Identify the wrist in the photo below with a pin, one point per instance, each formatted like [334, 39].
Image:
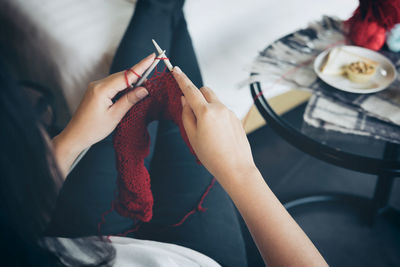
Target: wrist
[239, 177]
[65, 151]
[65, 145]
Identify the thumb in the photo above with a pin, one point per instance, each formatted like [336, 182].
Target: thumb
[188, 119]
[125, 102]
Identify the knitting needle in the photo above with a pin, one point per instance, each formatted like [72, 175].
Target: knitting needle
[166, 60]
[150, 69]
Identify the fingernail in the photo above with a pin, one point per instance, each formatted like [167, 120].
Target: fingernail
[177, 70]
[151, 55]
[141, 93]
[183, 101]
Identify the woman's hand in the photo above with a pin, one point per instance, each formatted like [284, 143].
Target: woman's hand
[97, 115]
[218, 138]
[215, 133]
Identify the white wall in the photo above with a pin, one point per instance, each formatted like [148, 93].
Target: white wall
[228, 34]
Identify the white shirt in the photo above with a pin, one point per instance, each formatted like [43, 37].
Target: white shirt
[135, 252]
[129, 252]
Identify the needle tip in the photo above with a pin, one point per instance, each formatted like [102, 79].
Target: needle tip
[162, 54]
[159, 50]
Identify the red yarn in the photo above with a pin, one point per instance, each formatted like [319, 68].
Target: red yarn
[126, 79]
[369, 23]
[131, 144]
[198, 207]
[134, 72]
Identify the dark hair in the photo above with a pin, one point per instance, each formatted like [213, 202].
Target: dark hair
[29, 186]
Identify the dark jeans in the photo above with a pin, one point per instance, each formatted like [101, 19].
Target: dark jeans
[177, 181]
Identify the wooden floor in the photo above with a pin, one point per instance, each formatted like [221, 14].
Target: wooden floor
[281, 104]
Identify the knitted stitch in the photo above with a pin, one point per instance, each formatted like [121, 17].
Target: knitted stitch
[132, 145]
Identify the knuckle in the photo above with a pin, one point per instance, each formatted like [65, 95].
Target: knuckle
[232, 114]
[92, 85]
[204, 110]
[93, 89]
[131, 98]
[224, 111]
[221, 108]
[208, 90]
[188, 86]
[96, 88]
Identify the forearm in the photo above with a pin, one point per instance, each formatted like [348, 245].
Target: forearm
[280, 240]
[65, 152]
[218, 138]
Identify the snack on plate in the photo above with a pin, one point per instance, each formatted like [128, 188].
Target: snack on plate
[359, 71]
[356, 68]
[334, 61]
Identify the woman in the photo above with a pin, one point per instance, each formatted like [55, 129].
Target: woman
[32, 171]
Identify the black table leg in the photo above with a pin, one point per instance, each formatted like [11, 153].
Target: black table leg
[383, 187]
[371, 207]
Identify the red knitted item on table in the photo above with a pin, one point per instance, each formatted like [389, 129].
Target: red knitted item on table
[369, 23]
[132, 145]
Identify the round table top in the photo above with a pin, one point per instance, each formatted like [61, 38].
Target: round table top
[339, 127]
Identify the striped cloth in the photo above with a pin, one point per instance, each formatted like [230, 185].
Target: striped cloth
[332, 114]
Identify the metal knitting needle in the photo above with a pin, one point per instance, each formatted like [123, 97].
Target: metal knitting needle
[166, 60]
[150, 69]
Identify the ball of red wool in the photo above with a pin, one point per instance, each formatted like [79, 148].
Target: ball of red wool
[367, 34]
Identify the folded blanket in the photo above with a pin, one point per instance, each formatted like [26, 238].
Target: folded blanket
[331, 114]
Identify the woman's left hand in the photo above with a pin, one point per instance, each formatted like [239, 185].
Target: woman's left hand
[97, 115]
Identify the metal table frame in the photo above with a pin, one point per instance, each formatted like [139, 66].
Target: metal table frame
[387, 168]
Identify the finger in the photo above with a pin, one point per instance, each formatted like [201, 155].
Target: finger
[117, 82]
[188, 118]
[209, 94]
[193, 96]
[121, 107]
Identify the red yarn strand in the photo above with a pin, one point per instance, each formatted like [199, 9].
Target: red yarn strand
[136, 228]
[134, 72]
[103, 218]
[193, 211]
[199, 205]
[126, 79]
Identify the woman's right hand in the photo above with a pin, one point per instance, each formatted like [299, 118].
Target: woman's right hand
[215, 133]
[218, 138]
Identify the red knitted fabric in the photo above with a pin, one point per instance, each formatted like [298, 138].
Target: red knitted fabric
[369, 23]
[132, 145]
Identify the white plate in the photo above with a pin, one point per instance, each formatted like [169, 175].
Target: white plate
[385, 73]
